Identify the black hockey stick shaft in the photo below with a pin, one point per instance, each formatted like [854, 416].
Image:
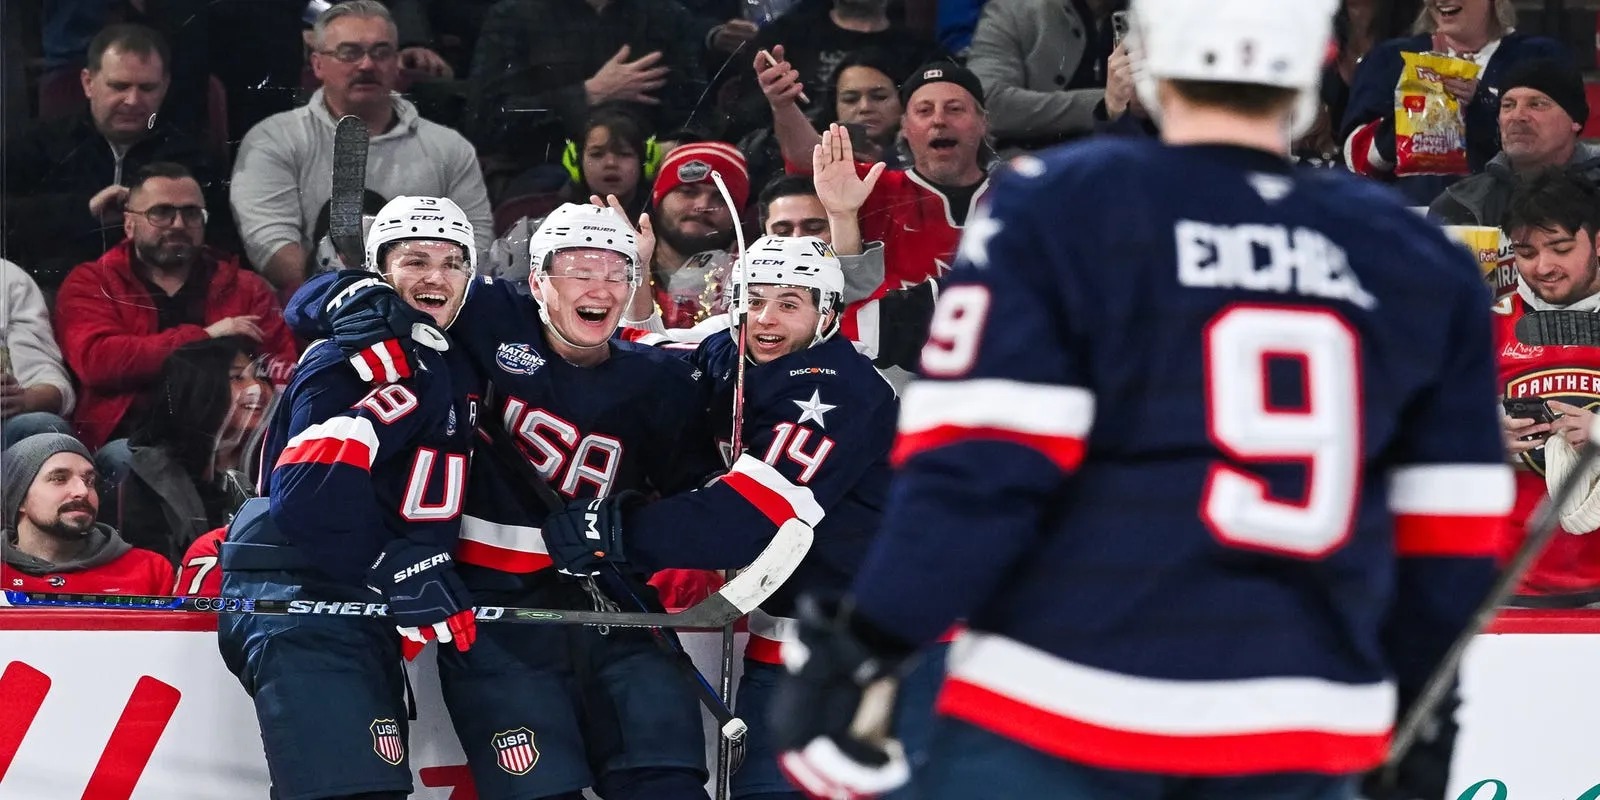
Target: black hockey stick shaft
[1544, 526]
[501, 446]
[714, 612]
[725, 755]
[349, 190]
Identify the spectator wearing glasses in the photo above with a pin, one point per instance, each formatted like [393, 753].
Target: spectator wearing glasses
[66, 179]
[119, 317]
[280, 177]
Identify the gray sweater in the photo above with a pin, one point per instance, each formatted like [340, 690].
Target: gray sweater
[1482, 198]
[282, 176]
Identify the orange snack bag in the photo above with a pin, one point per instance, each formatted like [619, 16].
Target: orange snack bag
[1430, 133]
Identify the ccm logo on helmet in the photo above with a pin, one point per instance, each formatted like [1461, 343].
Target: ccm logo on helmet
[427, 218]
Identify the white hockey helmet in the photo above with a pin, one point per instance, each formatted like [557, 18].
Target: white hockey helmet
[1265, 42]
[575, 226]
[436, 219]
[803, 261]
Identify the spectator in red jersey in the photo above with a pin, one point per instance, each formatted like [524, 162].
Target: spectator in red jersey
[918, 214]
[1553, 219]
[198, 573]
[53, 541]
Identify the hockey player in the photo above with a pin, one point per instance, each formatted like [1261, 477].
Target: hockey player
[362, 504]
[544, 711]
[818, 422]
[1213, 513]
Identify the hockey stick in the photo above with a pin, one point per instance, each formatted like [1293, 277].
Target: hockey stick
[1559, 328]
[1542, 529]
[733, 729]
[734, 600]
[349, 190]
[725, 766]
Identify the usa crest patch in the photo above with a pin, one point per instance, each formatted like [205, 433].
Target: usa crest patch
[386, 741]
[514, 751]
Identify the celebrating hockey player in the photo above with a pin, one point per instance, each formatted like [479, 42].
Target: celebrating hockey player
[362, 505]
[817, 426]
[545, 711]
[1214, 514]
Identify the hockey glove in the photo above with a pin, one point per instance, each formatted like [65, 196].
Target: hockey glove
[832, 713]
[426, 598]
[373, 325]
[588, 533]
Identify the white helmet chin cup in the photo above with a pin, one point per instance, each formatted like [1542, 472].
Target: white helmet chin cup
[575, 226]
[430, 219]
[1264, 42]
[803, 261]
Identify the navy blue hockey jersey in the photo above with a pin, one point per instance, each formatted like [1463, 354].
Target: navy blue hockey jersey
[1206, 452]
[818, 426]
[355, 467]
[634, 421]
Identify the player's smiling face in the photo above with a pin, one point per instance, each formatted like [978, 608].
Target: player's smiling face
[430, 275]
[585, 293]
[782, 320]
[1559, 266]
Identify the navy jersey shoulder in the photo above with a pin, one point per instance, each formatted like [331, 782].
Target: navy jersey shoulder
[1135, 339]
[334, 440]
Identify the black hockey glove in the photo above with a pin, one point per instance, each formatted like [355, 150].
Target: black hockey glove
[373, 325]
[832, 713]
[588, 533]
[1425, 770]
[427, 600]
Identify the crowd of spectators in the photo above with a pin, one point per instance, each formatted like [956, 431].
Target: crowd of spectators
[167, 178]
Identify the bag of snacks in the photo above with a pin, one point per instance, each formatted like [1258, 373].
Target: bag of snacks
[1430, 132]
[1492, 248]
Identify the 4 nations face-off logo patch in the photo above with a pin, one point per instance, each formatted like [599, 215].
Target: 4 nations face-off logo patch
[514, 751]
[386, 741]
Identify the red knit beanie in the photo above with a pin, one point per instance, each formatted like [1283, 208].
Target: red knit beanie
[692, 163]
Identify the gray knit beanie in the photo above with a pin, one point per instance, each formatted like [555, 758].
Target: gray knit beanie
[21, 464]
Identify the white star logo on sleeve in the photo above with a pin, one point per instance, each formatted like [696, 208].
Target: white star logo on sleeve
[975, 239]
[814, 408]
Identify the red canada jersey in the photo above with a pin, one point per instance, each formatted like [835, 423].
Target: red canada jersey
[198, 573]
[919, 234]
[1571, 375]
[137, 571]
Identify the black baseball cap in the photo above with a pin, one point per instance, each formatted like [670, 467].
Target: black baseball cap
[942, 72]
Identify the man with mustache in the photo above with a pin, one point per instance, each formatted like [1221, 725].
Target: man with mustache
[119, 317]
[53, 541]
[691, 218]
[280, 178]
[1542, 113]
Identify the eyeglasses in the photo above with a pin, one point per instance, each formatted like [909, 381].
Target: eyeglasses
[161, 216]
[353, 53]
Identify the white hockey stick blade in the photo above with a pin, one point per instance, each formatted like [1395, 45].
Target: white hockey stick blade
[757, 582]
